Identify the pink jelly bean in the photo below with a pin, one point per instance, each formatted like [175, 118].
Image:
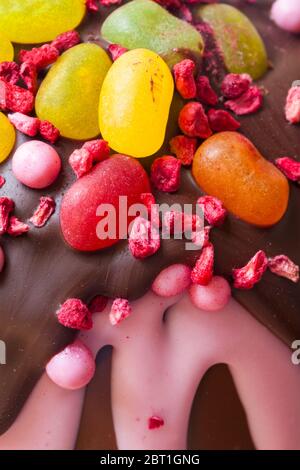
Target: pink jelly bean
[172, 280]
[36, 164]
[2, 259]
[286, 14]
[212, 297]
[72, 368]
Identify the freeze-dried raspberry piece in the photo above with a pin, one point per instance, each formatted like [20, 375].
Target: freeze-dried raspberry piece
[248, 103]
[43, 212]
[184, 78]
[49, 132]
[98, 304]
[193, 121]
[14, 98]
[29, 75]
[7, 205]
[246, 277]
[75, 314]
[81, 161]
[26, 124]
[292, 105]
[116, 51]
[2, 181]
[184, 148]
[234, 85]
[92, 5]
[98, 149]
[108, 3]
[144, 239]
[205, 92]
[289, 167]
[155, 422]
[16, 227]
[221, 120]
[40, 57]
[201, 237]
[148, 200]
[165, 173]
[120, 310]
[203, 270]
[213, 210]
[283, 266]
[65, 41]
[175, 222]
[185, 13]
[9, 72]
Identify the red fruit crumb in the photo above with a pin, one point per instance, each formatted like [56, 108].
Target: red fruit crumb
[2, 181]
[292, 106]
[14, 98]
[144, 239]
[175, 222]
[81, 161]
[108, 3]
[16, 227]
[203, 270]
[40, 57]
[289, 167]
[7, 205]
[201, 237]
[246, 277]
[43, 212]
[98, 149]
[221, 120]
[9, 72]
[116, 51]
[213, 210]
[193, 121]
[184, 78]
[248, 103]
[148, 200]
[205, 92]
[28, 74]
[165, 173]
[234, 85]
[120, 310]
[98, 304]
[155, 422]
[283, 266]
[185, 13]
[49, 132]
[184, 148]
[26, 124]
[92, 5]
[75, 314]
[65, 41]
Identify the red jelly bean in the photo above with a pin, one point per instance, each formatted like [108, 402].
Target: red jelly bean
[193, 121]
[165, 173]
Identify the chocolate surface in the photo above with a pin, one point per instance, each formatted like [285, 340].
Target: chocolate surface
[41, 271]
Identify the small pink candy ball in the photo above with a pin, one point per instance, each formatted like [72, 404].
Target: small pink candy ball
[2, 259]
[286, 14]
[36, 164]
[72, 368]
[172, 280]
[212, 297]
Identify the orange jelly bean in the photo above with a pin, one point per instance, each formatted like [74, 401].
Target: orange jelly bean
[229, 167]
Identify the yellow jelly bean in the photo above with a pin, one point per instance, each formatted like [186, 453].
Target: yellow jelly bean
[7, 137]
[135, 102]
[69, 95]
[34, 21]
[6, 49]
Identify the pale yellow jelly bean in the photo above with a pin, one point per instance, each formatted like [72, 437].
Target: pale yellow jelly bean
[7, 137]
[34, 21]
[135, 102]
[6, 49]
[69, 95]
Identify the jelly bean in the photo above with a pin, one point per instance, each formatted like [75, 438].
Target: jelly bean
[134, 103]
[36, 164]
[69, 95]
[6, 49]
[229, 167]
[286, 15]
[7, 137]
[172, 280]
[35, 21]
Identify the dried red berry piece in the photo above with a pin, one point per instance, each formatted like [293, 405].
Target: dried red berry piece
[9, 72]
[43, 212]
[234, 85]
[81, 161]
[155, 422]
[246, 277]
[16, 227]
[175, 222]
[26, 124]
[193, 121]
[184, 78]
[283, 266]
[92, 5]
[205, 92]
[116, 51]
[289, 167]
[221, 120]
[75, 314]
[201, 237]
[14, 98]
[98, 304]
[213, 210]
[2, 181]
[49, 132]
[165, 173]
[29, 75]
[7, 205]
[120, 310]
[108, 3]
[40, 57]
[185, 13]
[184, 148]
[292, 106]
[65, 41]
[144, 239]
[248, 103]
[98, 149]
[203, 270]
[148, 200]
